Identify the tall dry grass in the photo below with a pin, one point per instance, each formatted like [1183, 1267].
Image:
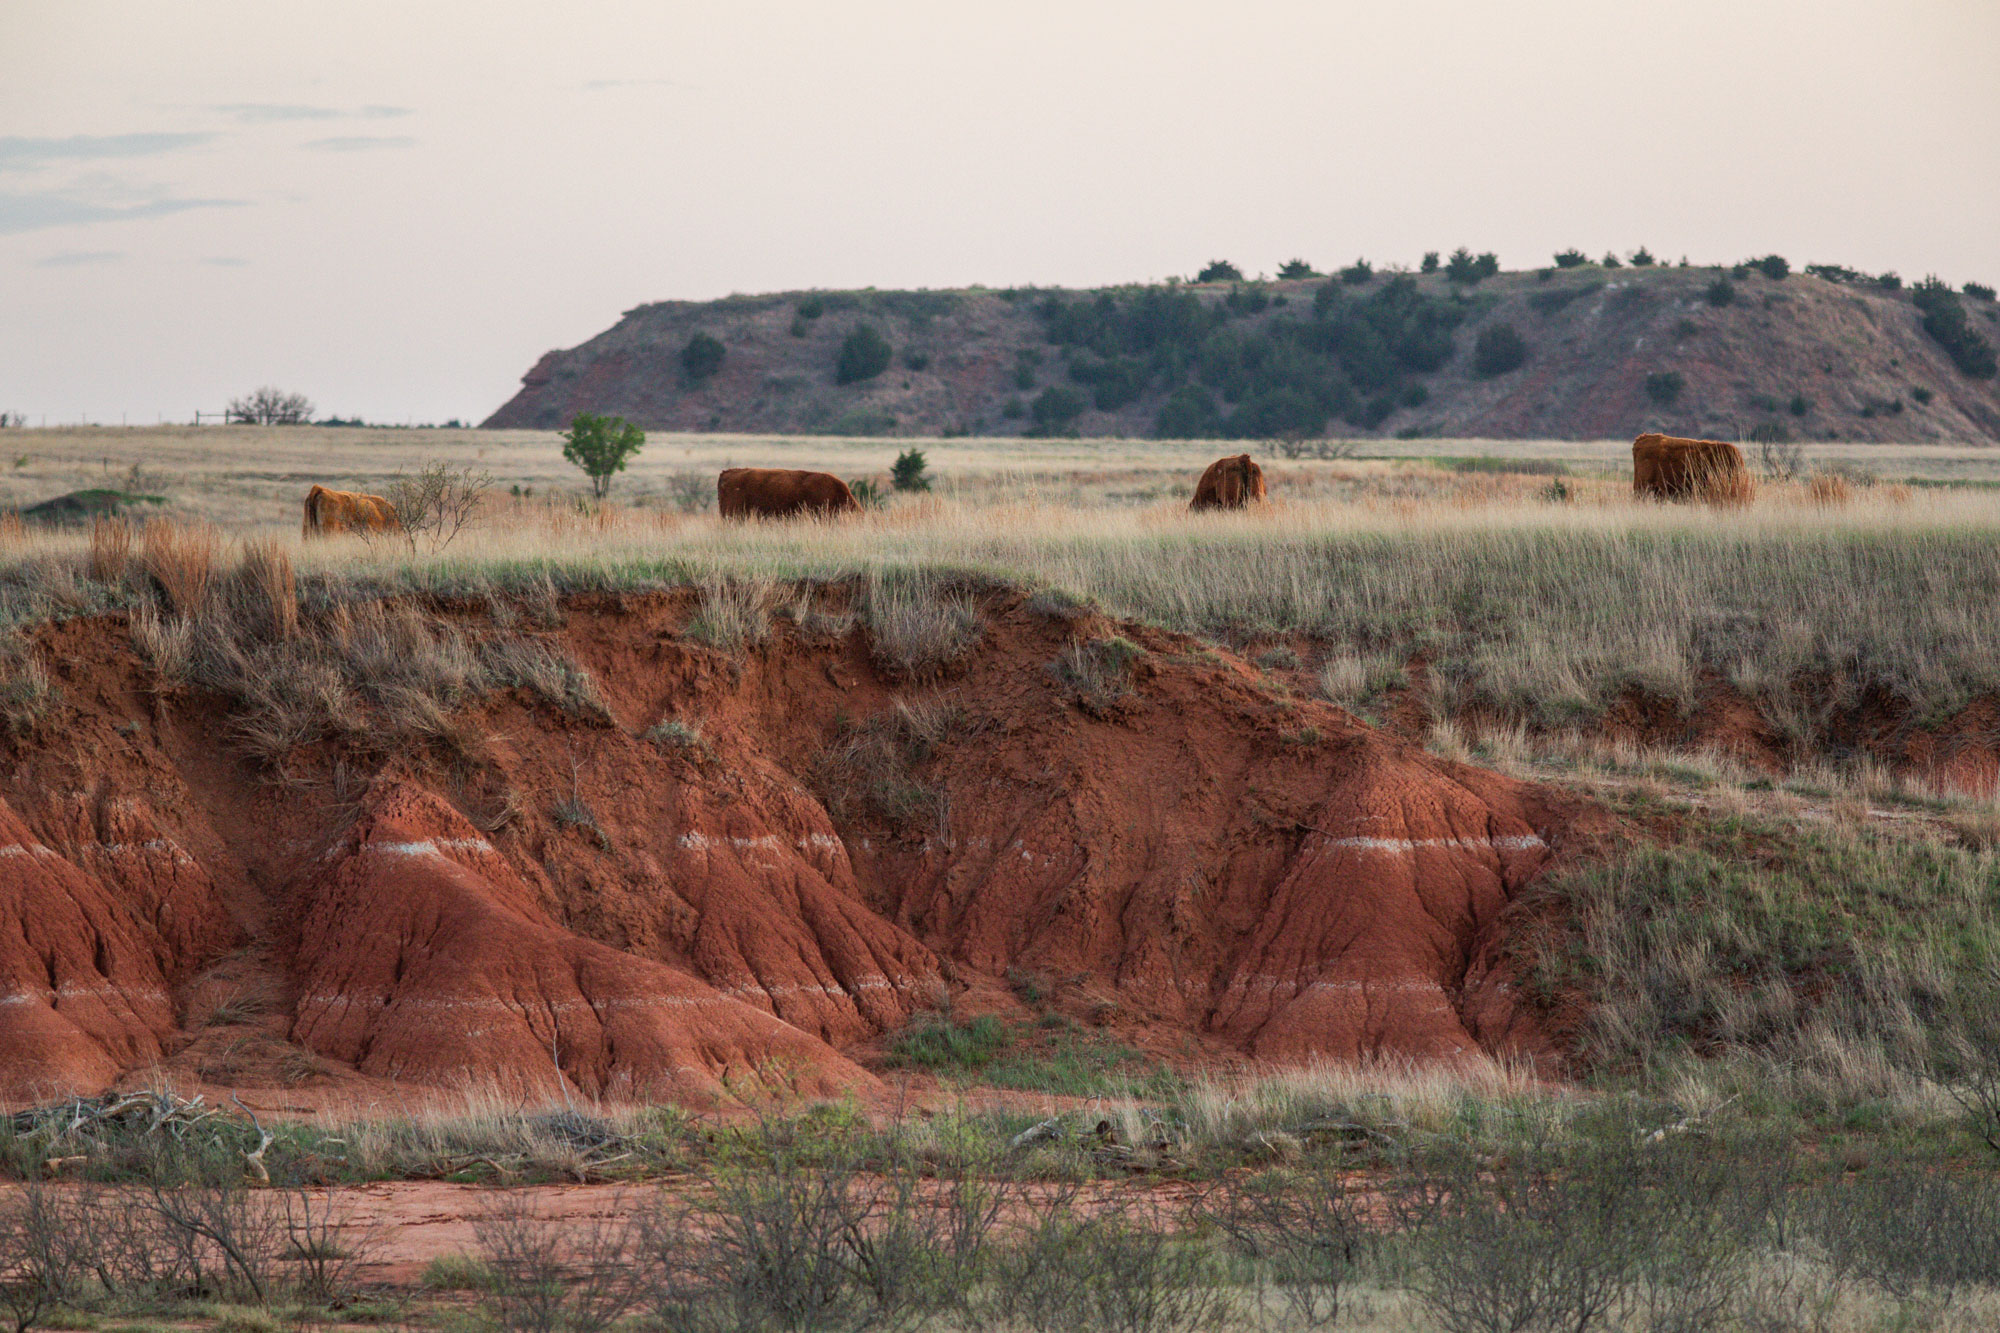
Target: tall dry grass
[1536, 611]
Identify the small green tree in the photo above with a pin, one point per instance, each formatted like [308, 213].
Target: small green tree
[701, 357]
[908, 474]
[1296, 268]
[1642, 258]
[1430, 264]
[1571, 259]
[1773, 267]
[600, 445]
[1720, 292]
[1219, 270]
[864, 355]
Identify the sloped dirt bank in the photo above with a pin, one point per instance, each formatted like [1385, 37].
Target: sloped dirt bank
[747, 862]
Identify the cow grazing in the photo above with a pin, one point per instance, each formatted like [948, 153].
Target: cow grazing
[329, 512]
[1229, 483]
[777, 492]
[1667, 468]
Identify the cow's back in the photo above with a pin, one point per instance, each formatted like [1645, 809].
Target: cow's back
[1229, 483]
[1673, 468]
[330, 511]
[772, 492]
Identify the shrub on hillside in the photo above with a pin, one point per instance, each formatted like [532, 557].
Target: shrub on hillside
[1296, 268]
[1430, 264]
[1890, 282]
[1468, 269]
[1499, 349]
[1944, 320]
[1773, 267]
[1056, 407]
[812, 307]
[1979, 291]
[863, 355]
[1190, 413]
[1610, 260]
[1357, 273]
[1664, 386]
[1642, 258]
[1114, 381]
[1219, 270]
[1571, 259]
[1720, 292]
[1800, 405]
[701, 357]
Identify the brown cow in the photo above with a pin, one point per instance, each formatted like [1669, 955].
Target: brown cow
[1229, 483]
[1667, 468]
[779, 492]
[347, 511]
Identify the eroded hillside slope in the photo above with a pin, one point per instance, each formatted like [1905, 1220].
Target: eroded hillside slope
[728, 861]
[1607, 353]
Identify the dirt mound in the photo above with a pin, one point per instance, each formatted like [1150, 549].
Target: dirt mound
[745, 865]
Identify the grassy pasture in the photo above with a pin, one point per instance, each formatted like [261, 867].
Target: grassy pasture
[1535, 597]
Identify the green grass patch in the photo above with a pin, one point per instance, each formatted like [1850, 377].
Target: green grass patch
[942, 1045]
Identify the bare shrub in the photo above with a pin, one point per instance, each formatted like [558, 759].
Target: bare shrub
[558, 1276]
[1781, 460]
[110, 548]
[180, 558]
[326, 1250]
[270, 406]
[1579, 1229]
[436, 503]
[1910, 1230]
[224, 1237]
[1304, 1227]
[1109, 1272]
[691, 492]
[919, 624]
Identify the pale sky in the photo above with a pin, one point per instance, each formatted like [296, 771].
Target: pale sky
[395, 207]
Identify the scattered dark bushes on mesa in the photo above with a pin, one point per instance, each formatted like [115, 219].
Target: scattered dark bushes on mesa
[1945, 321]
[1354, 357]
[864, 355]
[702, 357]
[1498, 350]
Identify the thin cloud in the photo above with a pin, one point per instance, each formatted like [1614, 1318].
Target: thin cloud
[79, 258]
[605, 85]
[36, 212]
[269, 113]
[273, 113]
[17, 152]
[359, 143]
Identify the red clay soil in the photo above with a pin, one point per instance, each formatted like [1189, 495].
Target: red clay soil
[1224, 871]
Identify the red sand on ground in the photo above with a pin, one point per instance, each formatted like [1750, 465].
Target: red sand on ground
[1220, 870]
